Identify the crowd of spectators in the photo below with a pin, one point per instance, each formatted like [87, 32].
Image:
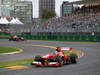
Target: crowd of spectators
[89, 21]
[71, 23]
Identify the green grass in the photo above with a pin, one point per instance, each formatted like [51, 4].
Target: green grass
[17, 62]
[27, 61]
[7, 49]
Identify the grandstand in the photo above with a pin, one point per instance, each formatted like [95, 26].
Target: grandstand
[84, 19]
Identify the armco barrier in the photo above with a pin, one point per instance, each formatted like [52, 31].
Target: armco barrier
[63, 37]
[56, 37]
[5, 34]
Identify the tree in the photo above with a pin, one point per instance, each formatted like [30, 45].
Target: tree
[46, 14]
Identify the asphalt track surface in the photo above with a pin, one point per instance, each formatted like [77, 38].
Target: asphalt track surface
[89, 64]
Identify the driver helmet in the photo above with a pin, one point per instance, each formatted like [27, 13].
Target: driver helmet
[58, 49]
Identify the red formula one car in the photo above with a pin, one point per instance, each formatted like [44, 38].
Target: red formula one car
[55, 59]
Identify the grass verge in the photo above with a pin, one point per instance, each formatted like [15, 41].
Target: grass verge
[17, 62]
[4, 49]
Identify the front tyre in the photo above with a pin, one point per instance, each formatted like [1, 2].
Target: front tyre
[73, 58]
[38, 58]
[59, 60]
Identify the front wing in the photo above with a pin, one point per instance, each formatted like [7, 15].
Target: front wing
[55, 64]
